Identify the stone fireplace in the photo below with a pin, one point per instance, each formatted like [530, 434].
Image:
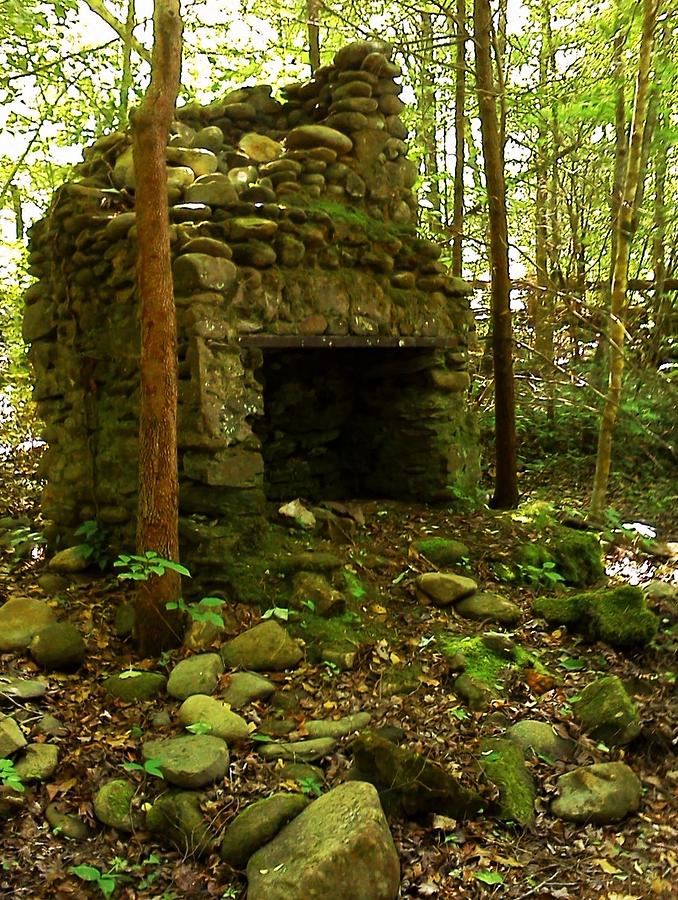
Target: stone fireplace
[322, 344]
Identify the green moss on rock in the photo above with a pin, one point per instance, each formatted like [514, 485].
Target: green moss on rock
[578, 556]
[617, 616]
[503, 764]
[480, 662]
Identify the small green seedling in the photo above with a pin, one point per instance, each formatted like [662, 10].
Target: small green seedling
[199, 728]
[150, 767]
[105, 881]
[203, 611]
[137, 567]
[280, 612]
[9, 776]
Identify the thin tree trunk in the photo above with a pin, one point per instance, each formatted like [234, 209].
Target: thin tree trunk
[157, 517]
[459, 129]
[126, 77]
[624, 229]
[661, 308]
[506, 483]
[312, 18]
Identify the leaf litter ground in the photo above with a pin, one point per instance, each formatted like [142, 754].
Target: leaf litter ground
[441, 858]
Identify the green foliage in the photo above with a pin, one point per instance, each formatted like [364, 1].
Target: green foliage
[142, 567]
[106, 882]
[544, 575]
[199, 728]
[9, 776]
[202, 611]
[277, 612]
[150, 767]
[94, 543]
[310, 786]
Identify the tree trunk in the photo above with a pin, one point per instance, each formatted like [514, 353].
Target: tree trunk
[624, 233]
[157, 517]
[506, 483]
[126, 77]
[312, 17]
[459, 130]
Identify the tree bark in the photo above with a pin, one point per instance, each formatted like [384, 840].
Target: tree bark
[312, 17]
[624, 236]
[506, 483]
[157, 517]
[126, 76]
[459, 130]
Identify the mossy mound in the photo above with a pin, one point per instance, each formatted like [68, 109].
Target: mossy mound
[503, 764]
[617, 616]
[442, 551]
[480, 662]
[574, 556]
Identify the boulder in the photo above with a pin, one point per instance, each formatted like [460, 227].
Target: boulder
[195, 675]
[489, 607]
[58, 647]
[266, 647]
[20, 620]
[67, 824]
[307, 136]
[340, 847]
[244, 687]
[71, 560]
[113, 805]
[607, 713]
[131, 685]
[176, 816]
[441, 551]
[598, 794]
[37, 763]
[11, 737]
[503, 764]
[408, 781]
[538, 737]
[259, 147]
[442, 589]
[223, 722]
[191, 761]
[194, 272]
[258, 824]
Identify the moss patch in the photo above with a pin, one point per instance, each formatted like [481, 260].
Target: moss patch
[618, 616]
[481, 663]
[503, 764]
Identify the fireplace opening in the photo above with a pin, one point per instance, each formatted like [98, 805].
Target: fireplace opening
[346, 422]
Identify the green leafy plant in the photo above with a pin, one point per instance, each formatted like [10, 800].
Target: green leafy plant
[544, 575]
[24, 540]
[94, 543]
[203, 611]
[105, 881]
[140, 567]
[310, 786]
[9, 777]
[488, 877]
[150, 767]
[279, 612]
[199, 728]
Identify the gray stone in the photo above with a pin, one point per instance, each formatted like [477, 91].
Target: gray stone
[194, 272]
[306, 136]
[209, 138]
[258, 824]
[489, 608]
[214, 190]
[53, 584]
[224, 723]
[195, 675]
[20, 620]
[338, 728]
[11, 737]
[21, 688]
[113, 805]
[209, 246]
[37, 763]
[340, 847]
[475, 692]
[244, 687]
[131, 685]
[607, 713]
[58, 647]
[189, 212]
[598, 794]
[538, 737]
[298, 751]
[242, 228]
[177, 816]
[50, 726]
[259, 147]
[68, 825]
[353, 55]
[266, 647]
[311, 587]
[442, 589]
[201, 161]
[125, 617]
[191, 761]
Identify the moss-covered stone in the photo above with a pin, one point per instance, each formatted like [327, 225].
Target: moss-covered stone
[503, 763]
[617, 616]
[258, 824]
[176, 816]
[578, 556]
[442, 551]
[480, 662]
[607, 713]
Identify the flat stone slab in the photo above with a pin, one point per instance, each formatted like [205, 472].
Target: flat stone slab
[489, 607]
[190, 761]
[21, 688]
[298, 751]
[338, 728]
[600, 794]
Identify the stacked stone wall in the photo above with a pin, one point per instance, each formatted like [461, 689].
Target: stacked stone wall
[293, 221]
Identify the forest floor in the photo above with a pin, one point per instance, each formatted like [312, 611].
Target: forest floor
[636, 858]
